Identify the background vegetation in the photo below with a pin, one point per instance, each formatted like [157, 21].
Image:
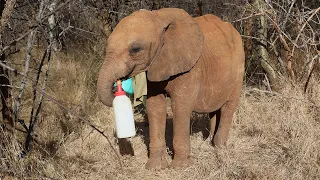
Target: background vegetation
[54, 127]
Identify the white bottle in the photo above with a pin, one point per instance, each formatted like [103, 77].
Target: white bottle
[123, 114]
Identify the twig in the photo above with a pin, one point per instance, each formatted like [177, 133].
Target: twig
[248, 17]
[280, 60]
[11, 69]
[64, 30]
[256, 38]
[288, 14]
[267, 82]
[309, 76]
[285, 45]
[273, 21]
[115, 12]
[303, 26]
[15, 41]
[9, 86]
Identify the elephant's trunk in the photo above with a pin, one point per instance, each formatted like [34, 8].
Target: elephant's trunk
[109, 73]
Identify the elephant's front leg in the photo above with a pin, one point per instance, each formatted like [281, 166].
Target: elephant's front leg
[156, 109]
[181, 134]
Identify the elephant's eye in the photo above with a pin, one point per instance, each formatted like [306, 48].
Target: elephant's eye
[135, 50]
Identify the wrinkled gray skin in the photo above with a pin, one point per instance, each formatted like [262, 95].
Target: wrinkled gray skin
[199, 62]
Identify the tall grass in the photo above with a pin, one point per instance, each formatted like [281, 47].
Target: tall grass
[273, 136]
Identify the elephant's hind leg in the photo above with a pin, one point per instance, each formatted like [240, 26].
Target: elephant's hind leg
[224, 119]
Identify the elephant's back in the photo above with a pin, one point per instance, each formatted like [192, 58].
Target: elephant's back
[221, 63]
[222, 33]
[222, 42]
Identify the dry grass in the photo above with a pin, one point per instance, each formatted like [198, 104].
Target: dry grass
[272, 136]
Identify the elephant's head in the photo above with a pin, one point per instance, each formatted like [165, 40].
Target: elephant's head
[164, 42]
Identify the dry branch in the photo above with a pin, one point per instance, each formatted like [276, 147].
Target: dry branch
[34, 118]
[302, 28]
[286, 46]
[288, 14]
[32, 28]
[250, 16]
[11, 69]
[27, 62]
[35, 84]
[313, 67]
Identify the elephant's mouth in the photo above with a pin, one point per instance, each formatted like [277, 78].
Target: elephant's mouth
[114, 88]
[130, 75]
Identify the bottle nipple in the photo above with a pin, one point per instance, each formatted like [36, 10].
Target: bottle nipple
[119, 92]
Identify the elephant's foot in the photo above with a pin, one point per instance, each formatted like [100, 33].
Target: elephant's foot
[219, 141]
[157, 159]
[180, 163]
[157, 163]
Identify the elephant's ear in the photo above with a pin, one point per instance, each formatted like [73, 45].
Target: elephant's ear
[180, 44]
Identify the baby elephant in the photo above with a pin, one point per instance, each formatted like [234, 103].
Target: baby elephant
[198, 61]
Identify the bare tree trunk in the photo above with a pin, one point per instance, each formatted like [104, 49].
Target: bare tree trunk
[5, 11]
[248, 48]
[262, 45]
[53, 33]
